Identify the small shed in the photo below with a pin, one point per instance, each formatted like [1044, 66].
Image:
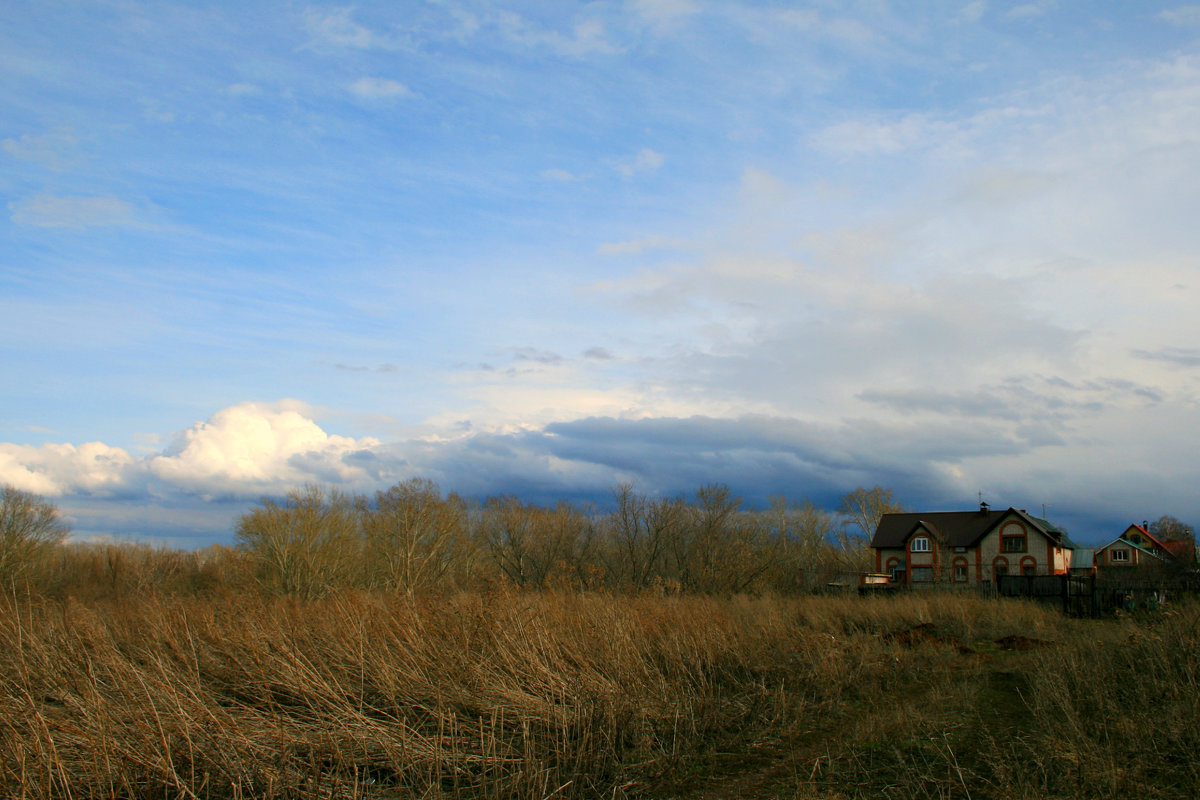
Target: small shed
[1083, 561]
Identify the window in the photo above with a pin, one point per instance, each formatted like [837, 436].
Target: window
[1118, 555]
[920, 545]
[1012, 544]
[1000, 567]
[1012, 538]
[960, 572]
[922, 574]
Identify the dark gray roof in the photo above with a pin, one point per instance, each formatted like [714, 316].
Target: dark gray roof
[954, 528]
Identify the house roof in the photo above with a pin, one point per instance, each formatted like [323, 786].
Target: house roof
[1126, 543]
[1140, 531]
[956, 528]
[1083, 558]
[1181, 548]
[1174, 548]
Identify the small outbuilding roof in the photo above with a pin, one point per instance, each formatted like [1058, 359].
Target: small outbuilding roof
[1083, 558]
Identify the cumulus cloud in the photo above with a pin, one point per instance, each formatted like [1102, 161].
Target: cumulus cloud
[1024, 441]
[55, 469]
[243, 450]
[250, 445]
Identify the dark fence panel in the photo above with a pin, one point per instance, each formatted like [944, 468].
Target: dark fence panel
[1075, 594]
[1091, 596]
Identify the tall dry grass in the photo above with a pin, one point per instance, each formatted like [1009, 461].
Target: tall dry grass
[537, 695]
[508, 695]
[1093, 709]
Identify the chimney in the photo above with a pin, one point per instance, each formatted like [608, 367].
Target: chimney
[983, 507]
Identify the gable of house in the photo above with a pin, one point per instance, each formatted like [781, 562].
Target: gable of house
[1138, 535]
[1123, 552]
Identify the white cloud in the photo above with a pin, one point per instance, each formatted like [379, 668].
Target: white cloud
[56, 151]
[337, 27]
[242, 90]
[1182, 16]
[560, 175]
[587, 36]
[253, 444]
[246, 449]
[885, 136]
[55, 469]
[663, 14]
[973, 11]
[64, 211]
[646, 160]
[638, 246]
[1027, 11]
[380, 89]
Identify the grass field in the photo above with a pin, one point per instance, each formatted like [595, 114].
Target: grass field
[538, 695]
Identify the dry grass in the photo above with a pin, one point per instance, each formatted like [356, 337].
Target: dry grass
[516, 695]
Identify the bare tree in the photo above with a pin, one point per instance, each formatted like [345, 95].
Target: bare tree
[410, 536]
[808, 558]
[1179, 538]
[863, 508]
[530, 544]
[719, 547]
[1170, 529]
[638, 530]
[306, 545]
[29, 527]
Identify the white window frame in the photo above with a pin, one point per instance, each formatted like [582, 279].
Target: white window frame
[1119, 555]
[921, 544]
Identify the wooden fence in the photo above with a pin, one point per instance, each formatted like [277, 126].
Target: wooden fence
[1075, 593]
[1092, 596]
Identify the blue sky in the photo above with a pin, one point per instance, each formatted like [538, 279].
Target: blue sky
[546, 248]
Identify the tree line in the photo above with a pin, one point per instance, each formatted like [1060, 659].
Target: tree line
[412, 538]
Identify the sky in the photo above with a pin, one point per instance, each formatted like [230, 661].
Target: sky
[541, 249]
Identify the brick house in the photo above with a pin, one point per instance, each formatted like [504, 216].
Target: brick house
[968, 547]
